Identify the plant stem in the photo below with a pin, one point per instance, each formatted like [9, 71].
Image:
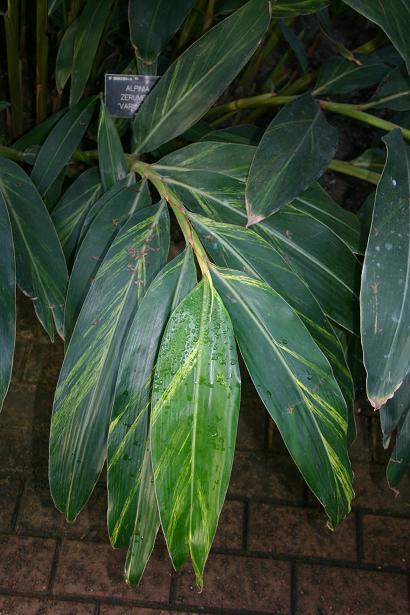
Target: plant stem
[299, 85]
[11, 154]
[263, 52]
[42, 59]
[269, 99]
[11, 23]
[209, 15]
[145, 170]
[341, 166]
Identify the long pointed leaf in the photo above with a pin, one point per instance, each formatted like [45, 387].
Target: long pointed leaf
[294, 151]
[296, 384]
[385, 291]
[127, 440]
[84, 394]
[195, 404]
[199, 76]
[7, 300]
[40, 264]
[113, 167]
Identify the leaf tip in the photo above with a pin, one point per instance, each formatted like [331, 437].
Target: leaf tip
[253, 219]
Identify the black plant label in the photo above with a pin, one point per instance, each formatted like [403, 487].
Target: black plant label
[125, 93]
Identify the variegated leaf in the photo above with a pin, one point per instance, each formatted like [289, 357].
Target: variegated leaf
[84, 394]
[195, 403]
[296, 384]
[113, 166]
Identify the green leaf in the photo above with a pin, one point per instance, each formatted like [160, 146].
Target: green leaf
[303, 231]
[394, 91]
[127, 439]
[113, 166]
[338, 76]
[392, 18]
[84, 394]
[37, 135]
[60, 144]
[291, 8]
[296, 45]
[246, 134]
[195, 405]
[113, 210]
[40, 264]
[385, 292]
[395, 415]
[296, 384]
[7, 299]
[199, 76]
[235, 247]
[65, 53]
[69, 213]
[294, 151]
[90, 27]
[153, 23]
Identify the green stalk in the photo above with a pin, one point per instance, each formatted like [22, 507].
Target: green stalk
[340, 166]
[299, 85]
[145, 170]
[209, 15]
[269, 99]
[11, 154]
[11, 23]
[42, 60]
[190, 25]
[260, 56]
[278, 72]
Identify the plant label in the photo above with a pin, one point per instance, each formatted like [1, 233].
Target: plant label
[125, 93]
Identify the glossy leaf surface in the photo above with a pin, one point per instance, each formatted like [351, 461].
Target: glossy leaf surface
[113, 167]
[84, 394]
[153, 23]
[113, 210]
[40, 264]
[294, 151]
[339, 76]
[60, 144]
[69, 213]
[392, 18]
[64, 58]
[7, 298]
[199, 76]
[195, 404]
[128, 433]
[395, 415]
[296, 384]
[385, 292]
[235, 247]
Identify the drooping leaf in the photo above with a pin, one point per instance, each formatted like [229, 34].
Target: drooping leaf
[296, 384]
[373, 159]
[295, 44]
[7, 299]
[60, 144]
[65, 53]
[395, 415]
[246, 134]
[199, 76]
[113, 166]
[69, 213]
[128, 433]
[40, 264]
[113, 210]
[338, 76]
[90, 27]
[235, 247]
[394, 91]
[385, 292]
[392, 18]
[84, 394]
[294, 151]
[37, 135]
[153, 23]
[195, 404]
[393, 411]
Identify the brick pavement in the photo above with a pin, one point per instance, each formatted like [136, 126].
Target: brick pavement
[272, 554]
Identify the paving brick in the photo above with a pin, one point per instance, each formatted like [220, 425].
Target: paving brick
[90, 569]
[43, 363]
[238, 583]
[21, 352]
[28, 327]
[25, 563]
[300, 531]
[24, 430]
[386, 540]
[342, 591]
[361, 449]
[9, 492]
[38, 515]
[266, 475]
[33, 606]
[136, 610]
[252, 425]
[373, 492]
[230, 528]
